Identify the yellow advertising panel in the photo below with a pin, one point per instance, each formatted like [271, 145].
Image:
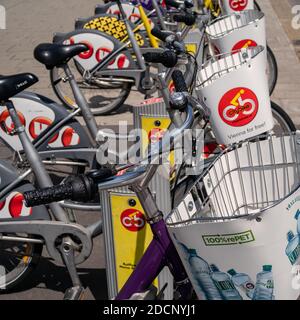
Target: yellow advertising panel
[132, 234]
[191, 47]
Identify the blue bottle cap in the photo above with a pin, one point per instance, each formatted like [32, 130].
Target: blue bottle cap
[192, 251]
[267, 268]
[232, 272]
[214, 268]
[290, 236]
[297, 214]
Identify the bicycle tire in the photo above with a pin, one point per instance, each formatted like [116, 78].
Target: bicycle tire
[273, 76]
[22, 271]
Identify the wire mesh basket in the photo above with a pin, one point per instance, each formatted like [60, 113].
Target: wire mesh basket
[241, 214]
[234, 88]
[236, 31]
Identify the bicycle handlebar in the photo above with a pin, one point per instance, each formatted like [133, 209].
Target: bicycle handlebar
[75, 188]
[172, 3]
[168, 58]
[179, 81]
[187, 19]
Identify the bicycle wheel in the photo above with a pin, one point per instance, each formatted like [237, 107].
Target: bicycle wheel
[18, 260]
[283, 122]
[104, 97]
[272, 70]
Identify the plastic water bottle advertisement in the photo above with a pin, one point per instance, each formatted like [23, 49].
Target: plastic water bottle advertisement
[245, 259]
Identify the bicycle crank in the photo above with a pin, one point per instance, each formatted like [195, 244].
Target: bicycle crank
[52, 232]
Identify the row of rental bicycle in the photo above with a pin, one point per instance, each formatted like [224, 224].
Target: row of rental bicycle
[213, 218]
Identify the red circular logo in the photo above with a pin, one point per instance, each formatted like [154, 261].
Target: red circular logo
[101, 53]
[155, 135]
[16, 205]
[86, 54]
[70, 138]
[133, 220]
[238, 5]
[39, 125]
[238, 107]
[122, 61]
[2, 204]
[9, 125]
[244, 44]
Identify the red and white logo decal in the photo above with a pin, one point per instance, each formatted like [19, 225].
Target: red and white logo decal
[244, 44]
[238, 5]
[86, 54]
[133, 220]
[6, 119]
[70, 138]
[13, 207]
[101, 53]
[39, 125]
[2, 204]
[155, 135]
[238, 107]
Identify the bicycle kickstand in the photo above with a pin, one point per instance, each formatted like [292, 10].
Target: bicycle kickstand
[67, 252]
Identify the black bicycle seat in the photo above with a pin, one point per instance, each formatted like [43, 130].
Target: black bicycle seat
[55, 55]
[14, 84]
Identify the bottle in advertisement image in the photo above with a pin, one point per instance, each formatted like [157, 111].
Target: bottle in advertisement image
[264, 286]
[243, 281]
[298, 220]
[293, 247]
[224, 284]
[201, 273]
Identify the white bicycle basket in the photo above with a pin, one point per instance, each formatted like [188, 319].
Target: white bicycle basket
[237, 229]
[234, 87]
[236, 31]
[229, 6]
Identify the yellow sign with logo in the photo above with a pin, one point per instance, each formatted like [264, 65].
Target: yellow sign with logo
[132, 234]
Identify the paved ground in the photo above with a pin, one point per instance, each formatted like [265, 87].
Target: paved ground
[31, 22]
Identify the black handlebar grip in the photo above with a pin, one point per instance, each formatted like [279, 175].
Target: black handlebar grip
[172, 3]
[48, 195]
[179, 81]
[159, 34]
[187, 19]
[168, 58]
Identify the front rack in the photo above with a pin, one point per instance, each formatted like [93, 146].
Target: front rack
[244, 180]
[223, 64]
[226, 24]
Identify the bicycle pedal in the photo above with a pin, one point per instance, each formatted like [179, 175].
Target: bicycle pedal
[74, 293]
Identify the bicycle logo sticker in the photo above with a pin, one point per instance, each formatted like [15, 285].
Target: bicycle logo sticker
[238, 107]
[133, 220]
[244, 44]
[238, 5]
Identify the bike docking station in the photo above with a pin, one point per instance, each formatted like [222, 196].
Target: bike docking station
[234, 88]
[231, 6]
[236, 31]
[126, 233]
[237, 228]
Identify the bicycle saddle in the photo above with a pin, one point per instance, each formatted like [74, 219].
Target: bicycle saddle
[54, 54]
[14, 84]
